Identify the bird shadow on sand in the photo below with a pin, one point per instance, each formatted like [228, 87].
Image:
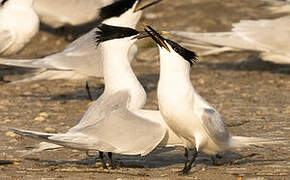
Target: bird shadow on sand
[70, 32]
[160, 159]
[12, 70]
[96, 92]
[252, 63]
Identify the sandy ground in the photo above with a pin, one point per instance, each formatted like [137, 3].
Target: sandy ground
[252, 95]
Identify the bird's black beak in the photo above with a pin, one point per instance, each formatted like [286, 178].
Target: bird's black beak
[144, 34]
[156, 37]
[142, 4]
[141, 35]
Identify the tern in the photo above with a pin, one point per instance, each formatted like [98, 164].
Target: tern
[80, 59]
[69, 12]
[187, 114]
[269, 37]
[116, 122]
[18, 25]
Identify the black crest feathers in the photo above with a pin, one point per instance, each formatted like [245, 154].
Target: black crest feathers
[188, 55]
[106, 32]
[115, 9]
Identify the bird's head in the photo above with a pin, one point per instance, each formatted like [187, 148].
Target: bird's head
[170, 47]
[116, 36]
[124, 12]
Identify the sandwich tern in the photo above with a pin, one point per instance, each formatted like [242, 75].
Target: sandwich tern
[195, 121]
[80, 59]
[69, 12]
[18, 25]
[116, 122]
[269, 37]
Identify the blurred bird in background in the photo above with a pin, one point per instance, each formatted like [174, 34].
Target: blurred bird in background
[18, 25]
[69, 12]
[80, 59]
[269, 37]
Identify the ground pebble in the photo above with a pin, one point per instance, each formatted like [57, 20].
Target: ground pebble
[50, 130]
[42, 116]
[39, 118]
[10, 134]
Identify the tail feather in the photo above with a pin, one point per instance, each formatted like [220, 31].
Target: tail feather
[29, 63]
[73, 141]
[59, 139]
[240, 141]
[52, 75]
[32, 134]
[43, 146]
[221, 39]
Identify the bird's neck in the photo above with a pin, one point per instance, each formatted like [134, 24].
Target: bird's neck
[174, 86]
[174, 68]
[118, 74]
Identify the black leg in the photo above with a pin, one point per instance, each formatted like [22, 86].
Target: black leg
[214, 160]
[88, 91]
[112, 163]
[185, 161]
[187, 167]
[194, 155]
[218, 156]
[101, 156]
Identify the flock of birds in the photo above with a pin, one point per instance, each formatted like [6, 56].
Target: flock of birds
[116, 122]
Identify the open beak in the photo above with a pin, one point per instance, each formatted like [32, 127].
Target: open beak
[142, 4]
[141, 35]
[144, 34]
[156, 37]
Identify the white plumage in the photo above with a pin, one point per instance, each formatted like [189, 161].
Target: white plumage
[69, 12]
[269, 37]
[80, 59]
[18, 25]
[115, 122]
[200, 127]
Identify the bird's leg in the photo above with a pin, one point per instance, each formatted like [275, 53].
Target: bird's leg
[218, 156]
[185, 161]
[214, 159]
[111, 161]
[88, 91]
[101, 156]
[187, 168]
[194, 155]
